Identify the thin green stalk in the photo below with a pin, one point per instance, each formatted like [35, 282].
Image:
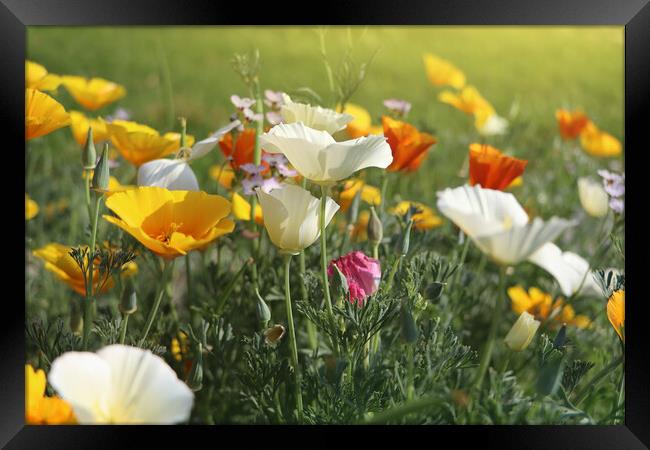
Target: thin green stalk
[91, 269]
[123, 325]
[463, 255]
[410, 359]
[311, 329]
[159, 296]
[323, 260]
[188, 280]
[393, 271]
[87, 192]
[292, 338]
[384, 187]
[489, 346]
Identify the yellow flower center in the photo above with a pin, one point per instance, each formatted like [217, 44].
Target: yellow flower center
[165, 236]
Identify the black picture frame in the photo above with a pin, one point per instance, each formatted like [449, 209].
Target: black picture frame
[634, 15]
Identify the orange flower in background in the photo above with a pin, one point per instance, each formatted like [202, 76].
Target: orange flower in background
[369, 194]
[409, 146]
[37, 77]
[244, 148]
[492, 169]
[93, 93]
[571, 123]
[43, 114]
[40, 409]
[79, 125]
[598, 143]
[541, 305]
[441, 72]
[616, 312]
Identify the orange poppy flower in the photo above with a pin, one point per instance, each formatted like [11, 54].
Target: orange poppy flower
[492, 169]
[409, 146]
[571, 123]
[244, 147]
[616, 312]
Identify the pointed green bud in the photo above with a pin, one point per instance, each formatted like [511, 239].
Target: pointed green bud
[89, 155]
[102, 172]
[406, 238]
[375, 228]
[433, 291]
[195, 377]
[409, 329]
[340, 282]
[560, 338]
[129, 301]
[353, 212]
[550, 375]
[262, 310]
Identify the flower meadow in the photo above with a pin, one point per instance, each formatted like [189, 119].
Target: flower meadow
[306, 257]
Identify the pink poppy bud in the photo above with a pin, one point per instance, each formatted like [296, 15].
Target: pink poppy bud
[362, 272]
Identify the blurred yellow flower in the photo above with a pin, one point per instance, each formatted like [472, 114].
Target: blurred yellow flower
[170, 223]
[79, 125]
[616, 313]
[362, 122]
[369, 194]
[180, 347]
[598, 143]
[139, 143]
[542, 307]
[56, 208]
[37, 77]
[40, 409]
[571, 123]
[43, 114]
[241, 209]
[93, 93]
[441, 72]
[425, 219]
[469, 101]
[58, 261]
[115, 186]
[519, 181]
[222, 174]
[31, 208]
[360, 230]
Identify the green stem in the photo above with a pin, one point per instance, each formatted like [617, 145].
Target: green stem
[87, 192]
[393, 271]
[311, 329]
[400, 411]
[123, 326]
[292, 338]
[159, 296]
[410, 387]
[384, 186]
[463, 255]
[489, 346]
[91, 269]
[323, 260]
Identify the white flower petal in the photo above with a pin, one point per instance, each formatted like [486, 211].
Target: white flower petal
[342, 159]
[83, 379]
[313, 116]
[494, 125]
[569, 269]
[172, 174]
[144, 388]
[593, 197]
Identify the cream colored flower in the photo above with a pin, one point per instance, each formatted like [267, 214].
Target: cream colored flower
[292, 217]
[522, 332]
[315, 117]
[497, 223]
[319, 158]
[121, 385]
[593, 197]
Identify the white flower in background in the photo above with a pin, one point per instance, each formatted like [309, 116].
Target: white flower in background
[121, 385]
[176, 174]
[315, 117]
[593, 197]
[497, 223]
[522, 332]
[292, 217]
[569, 269]
[493, 125]
[319, 158]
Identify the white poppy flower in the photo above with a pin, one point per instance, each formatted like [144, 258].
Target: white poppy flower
[593, 197]
[315, 117]
[121, 385]
[494, 125]
[292, 217]
[522, 332]
[569, 269]
[176, 174]
[319, 158]
[497, 223]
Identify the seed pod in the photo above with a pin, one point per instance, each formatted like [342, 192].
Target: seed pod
[89, 155]
[195, 377]
[375, 227]
[262, 310]
[102, 172]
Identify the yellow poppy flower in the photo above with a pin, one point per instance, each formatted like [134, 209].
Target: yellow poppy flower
[79, 125]
[241, 209]
[139, 143]
[36, 77]
[170, 223]
[541, 306]
[423, 220]
[616, 312]
[43, 114]
[115, 186]
[31, 208]
[441, 72]
[598, 143]
[58, 261]
[369, 194]
[93, 93]
[222, 174]
[470, 101]
[40, 409]
[362, 122]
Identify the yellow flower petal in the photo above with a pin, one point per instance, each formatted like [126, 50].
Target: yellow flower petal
[598, 143]
[93, 93]
[616, 312]
[362, 122]
[423, 220]
[43, 114]
[222, 174]
[37, 77]
[139, 143]
[79, 125]
[441, 72]
[31, 208]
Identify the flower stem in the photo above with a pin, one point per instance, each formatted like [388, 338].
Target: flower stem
[489, 346]
[410, 359]
[123, 326]
[87, 323]
[323, 260]
[292, 338]
[159, 296]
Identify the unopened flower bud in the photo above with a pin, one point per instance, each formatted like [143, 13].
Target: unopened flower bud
[102, 172]
[375, 227]
[262, 310]
[129, 301]
[274, 334]
[433, 291]
[353, 212]
[195, 377]
[409, 329]
[89, 154]
[522, 332]
[406, 238]
[340, 282]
